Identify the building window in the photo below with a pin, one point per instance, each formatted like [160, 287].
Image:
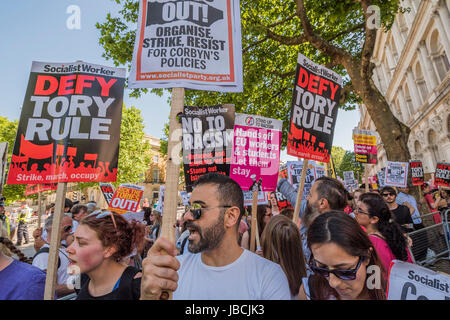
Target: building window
[438, 56]
[420, 81]
[155, 176]
[155, 159]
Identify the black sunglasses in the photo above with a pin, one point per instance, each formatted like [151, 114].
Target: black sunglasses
[388, 194]
[196, 209]
[349, 274]
[67, 228]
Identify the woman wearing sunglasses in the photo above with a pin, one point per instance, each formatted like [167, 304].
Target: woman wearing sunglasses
[341, 252]
[102, 241]
[385, 234]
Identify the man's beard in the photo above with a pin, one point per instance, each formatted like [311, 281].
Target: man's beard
[210, 238]
[311, 212]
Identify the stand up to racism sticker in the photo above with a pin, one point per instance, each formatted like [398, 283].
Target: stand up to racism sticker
[69, 128]
[190, 44]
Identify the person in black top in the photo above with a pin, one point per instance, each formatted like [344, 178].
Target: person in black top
[102, 241]
[400, 212]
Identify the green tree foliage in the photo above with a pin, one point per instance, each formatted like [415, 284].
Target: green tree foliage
[134, 151]
[329, 32]
[8, 130]
[348, 163]
[338, 154]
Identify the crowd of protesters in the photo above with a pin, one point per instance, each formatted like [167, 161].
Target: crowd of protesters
[108, 256]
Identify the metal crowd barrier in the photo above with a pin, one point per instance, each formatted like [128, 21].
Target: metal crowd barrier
[432, 243]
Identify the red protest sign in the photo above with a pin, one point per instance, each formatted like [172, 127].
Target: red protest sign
[69, 128]
[36, 188]
[126, 198]
[442, 175]
[314, 111]
[416, 172]
[108, 191]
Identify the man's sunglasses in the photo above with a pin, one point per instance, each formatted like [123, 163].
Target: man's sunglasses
[67, 228]
[388, 194]
[196, 209]
[349, 274]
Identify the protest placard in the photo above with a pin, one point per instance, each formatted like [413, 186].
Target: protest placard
[36, 188]
[248, 198]
[3, 162]
[126, 198]
[256, 151]
[314, 111]
[442, 175]
[396, 174]
[189, 44]
[185, 197]
[108, 191]
[409, 281]
[319, 171]
[160, 205]
[381, 177]
[294, 169]
[282, 201]
[365, 143]
[416, 172]
[207, 141]
[69, 128]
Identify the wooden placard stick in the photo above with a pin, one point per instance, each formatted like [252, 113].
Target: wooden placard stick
[300, 191]
[254, 220]
[366, 177]
[258, 243]
[39, 209]
[55, 242]
[169, 217]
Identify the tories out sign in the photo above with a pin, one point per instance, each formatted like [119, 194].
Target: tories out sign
[294, 169]
[314, 111]
[207, 141]
[190, 44]
[69, 128]
[256, 151]
[126, 198]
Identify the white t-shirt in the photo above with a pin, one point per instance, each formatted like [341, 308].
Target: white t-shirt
[41, 261]
[250, 277]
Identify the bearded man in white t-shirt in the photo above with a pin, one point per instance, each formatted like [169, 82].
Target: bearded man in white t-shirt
[217, 267]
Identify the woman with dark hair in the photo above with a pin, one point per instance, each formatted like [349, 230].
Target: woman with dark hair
[102, 241]
[385, 234]
[281, 244]
[18, 279]
[341, 253]
[263, 215]
[147, 213]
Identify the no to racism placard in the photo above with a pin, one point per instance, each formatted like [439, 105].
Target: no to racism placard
[294, 169]
[108, 191]
[69, 128]
[442, 175]
[396, 174]
[409, 281]
[190, 44]
[36, 188]
[314, 111]
[365, 146]
[207, 141]
[126, 198]
[256, 151]
[416, 172]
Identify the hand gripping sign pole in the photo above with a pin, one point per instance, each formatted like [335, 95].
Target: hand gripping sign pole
[169, 217]
[300, 191]
[255, 235]
[53, 255]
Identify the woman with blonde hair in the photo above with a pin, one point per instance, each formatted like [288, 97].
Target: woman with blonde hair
[18, 280]
[281, 244]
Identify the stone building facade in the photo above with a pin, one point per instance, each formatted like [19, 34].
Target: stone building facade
[412, 72]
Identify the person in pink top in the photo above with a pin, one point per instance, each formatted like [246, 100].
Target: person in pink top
[386, 235]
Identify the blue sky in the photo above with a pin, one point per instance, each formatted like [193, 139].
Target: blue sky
[32, 30]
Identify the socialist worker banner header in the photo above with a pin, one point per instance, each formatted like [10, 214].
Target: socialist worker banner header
[69, 128]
